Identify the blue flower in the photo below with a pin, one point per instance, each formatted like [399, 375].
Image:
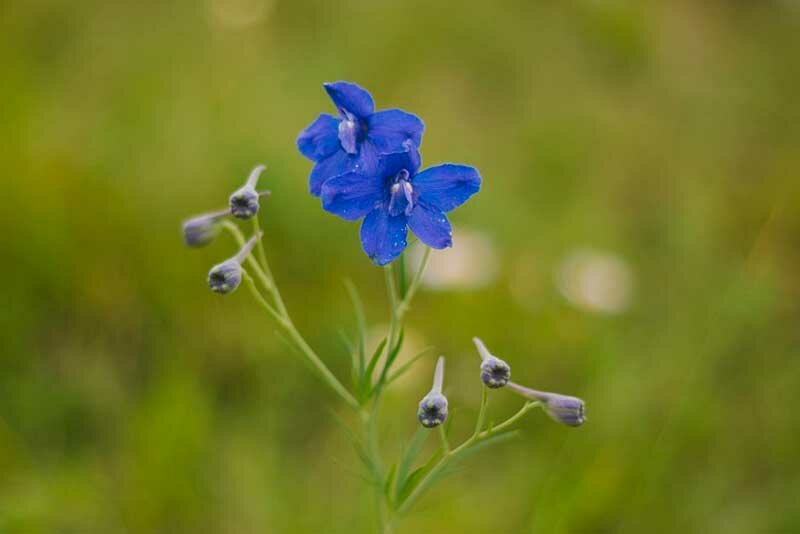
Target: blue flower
[355, 140]
[396, 197]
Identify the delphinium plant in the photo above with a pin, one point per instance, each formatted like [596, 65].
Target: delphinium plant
[367, 166]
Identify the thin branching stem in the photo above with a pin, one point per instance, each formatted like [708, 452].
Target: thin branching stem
[273, 287]
[448, 457]
[238, 236]
[251, 284]
[282, 318]
[391, 289]
[405, 304]
[443, 436]
[482, 412]
[528, 406]
[398, 307]
[262, 255]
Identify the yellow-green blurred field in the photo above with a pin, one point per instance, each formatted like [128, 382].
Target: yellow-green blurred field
[636, 242]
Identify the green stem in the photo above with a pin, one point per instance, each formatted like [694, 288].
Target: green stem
[251, 284]
[482, 411]
[530, 405]
[251, 261]
[318, 364]
[262, 255]
[284, 320]
[369, 418]
[391, 288]
[443, 435]
[405, 304]
[373, 446]
[273, 287]
[476, 437]
[398, 306]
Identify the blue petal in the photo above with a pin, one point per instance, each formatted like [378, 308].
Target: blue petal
[340, 162]
[383, 237]
[348, 97]
[320, 139]
[431, 226]
[391, 164]
[447, 186]
[352, 195]
[390, 128]
[366, 161]
[334, 165]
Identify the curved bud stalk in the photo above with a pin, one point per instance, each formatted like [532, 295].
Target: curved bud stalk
[495, 373]
[433, 407]
[563, 409]
[244, 201]
[225, 277]
[201, 230]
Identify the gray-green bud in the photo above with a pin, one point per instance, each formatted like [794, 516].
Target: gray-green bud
[201, 230]
[563, 409]
[225, 277]
[433, 407]
[244, 201]
[495, 373]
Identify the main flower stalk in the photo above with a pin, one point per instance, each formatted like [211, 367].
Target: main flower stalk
[367, 167]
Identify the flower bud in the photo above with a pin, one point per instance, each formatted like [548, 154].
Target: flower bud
[565, 409]
[433, 407]
[495, 373]
[561, 408]
[244, 201]
[201, 230]
[225, 277]
[432, 410]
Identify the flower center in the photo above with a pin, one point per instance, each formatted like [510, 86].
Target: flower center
[401, 195]
[349, 132]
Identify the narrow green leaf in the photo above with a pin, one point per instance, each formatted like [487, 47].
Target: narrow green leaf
[407, 458]
[410, 484]
[361, 324]
[389, 484]
[415, 477]
[367, 376]
[373, 471]
[406, 366]
[448, 424]
[345, 340]
[357, 473]
[348, 344]
[390, 358]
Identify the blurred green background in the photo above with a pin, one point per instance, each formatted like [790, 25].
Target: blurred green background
[636, 243]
